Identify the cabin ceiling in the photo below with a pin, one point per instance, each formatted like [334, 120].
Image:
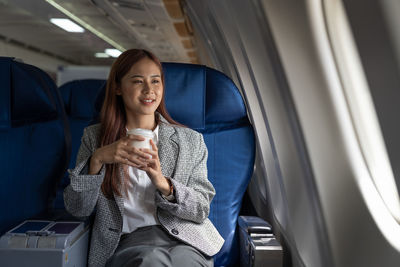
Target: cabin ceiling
[157, 25]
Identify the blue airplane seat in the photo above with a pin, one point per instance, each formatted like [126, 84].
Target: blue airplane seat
[34, 142]
[79, 97]
[208, 101]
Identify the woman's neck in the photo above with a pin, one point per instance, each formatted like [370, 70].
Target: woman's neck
[142, 121]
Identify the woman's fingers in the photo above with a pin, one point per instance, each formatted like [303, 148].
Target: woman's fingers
[146, 151]
[126, 161]
[153, 145]
[134, 159]
[121, 150]
[144, 159]
[137, 152]
[151, 162]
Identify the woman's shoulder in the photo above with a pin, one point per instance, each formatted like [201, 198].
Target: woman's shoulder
[184, 130]
[179, 129]
[93, 130]
[92, 133]
[187, 134]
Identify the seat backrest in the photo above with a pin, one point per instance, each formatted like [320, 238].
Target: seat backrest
[79, 97]
[208, 101]
[34, 142]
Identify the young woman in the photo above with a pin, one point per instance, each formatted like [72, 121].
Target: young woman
[151, 205]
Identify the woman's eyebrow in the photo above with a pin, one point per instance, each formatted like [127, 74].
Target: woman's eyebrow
[136, 76]
[141, 76]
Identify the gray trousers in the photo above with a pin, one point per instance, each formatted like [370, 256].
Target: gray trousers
[152, 246]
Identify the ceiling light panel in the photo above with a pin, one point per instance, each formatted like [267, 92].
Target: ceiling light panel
[102, 55]
[67, 25]
[112, 52]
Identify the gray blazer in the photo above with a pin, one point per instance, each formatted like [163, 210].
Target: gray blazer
[183, 158]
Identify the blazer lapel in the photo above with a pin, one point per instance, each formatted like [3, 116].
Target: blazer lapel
[168, 149]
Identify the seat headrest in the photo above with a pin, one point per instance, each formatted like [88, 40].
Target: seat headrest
[185, 89]
[206, 95]
[25, 96]
[78, 97]
[224, 101]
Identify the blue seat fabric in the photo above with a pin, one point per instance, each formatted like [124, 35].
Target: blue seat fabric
[79, 97]
[230, 141]
[34, 142]
[186, 101]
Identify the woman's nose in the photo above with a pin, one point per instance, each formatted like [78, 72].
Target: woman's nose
[147, 87]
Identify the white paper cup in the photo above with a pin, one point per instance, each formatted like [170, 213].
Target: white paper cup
[146, 134]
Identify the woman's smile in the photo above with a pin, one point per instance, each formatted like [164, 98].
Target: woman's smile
[147, 101]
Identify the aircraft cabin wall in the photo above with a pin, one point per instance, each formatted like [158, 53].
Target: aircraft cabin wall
[46, 63]
[313, 178]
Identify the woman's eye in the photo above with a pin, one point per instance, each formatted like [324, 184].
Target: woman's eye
[155, 81]
[137, 81]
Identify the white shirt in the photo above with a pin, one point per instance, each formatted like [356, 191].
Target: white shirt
[139, 205]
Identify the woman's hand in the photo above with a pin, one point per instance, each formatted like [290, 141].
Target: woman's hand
[153, 169]
[119, 152]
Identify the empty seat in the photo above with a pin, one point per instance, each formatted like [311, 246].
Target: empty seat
[34, 142]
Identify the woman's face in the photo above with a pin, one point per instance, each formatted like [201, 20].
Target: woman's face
[141, 88]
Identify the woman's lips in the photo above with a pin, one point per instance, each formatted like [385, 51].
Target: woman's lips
[147, 102]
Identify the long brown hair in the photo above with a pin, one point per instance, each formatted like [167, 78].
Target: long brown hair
[113, 116]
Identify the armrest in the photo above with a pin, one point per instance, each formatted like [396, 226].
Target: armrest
[258, 245]
[45, 243]
[254, 225]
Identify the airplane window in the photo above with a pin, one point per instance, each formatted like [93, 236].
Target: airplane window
[370, 81]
